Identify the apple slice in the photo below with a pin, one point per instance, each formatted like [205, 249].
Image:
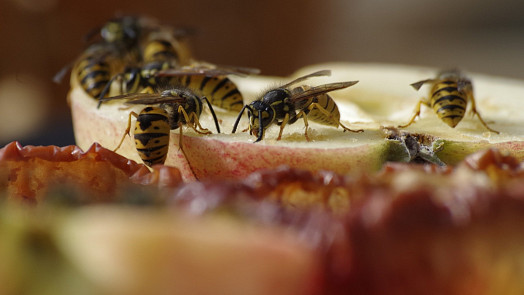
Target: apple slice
[385, 95]
[381, 100]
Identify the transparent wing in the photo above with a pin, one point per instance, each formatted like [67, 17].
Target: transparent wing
[145, 98]
[209, 71]
[419, 84]
[322, 89]
[315, 74]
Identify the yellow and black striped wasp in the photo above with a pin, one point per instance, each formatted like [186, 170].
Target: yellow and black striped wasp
[167, 110]
[161, 66]
[158, 54]
[213, 82]
[117, 43]
[449, 96]
[124, 33]
[285, 105]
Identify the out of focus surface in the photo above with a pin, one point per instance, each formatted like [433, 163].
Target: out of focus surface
[39, 37]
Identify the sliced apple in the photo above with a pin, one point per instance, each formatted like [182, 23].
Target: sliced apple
[381, 101]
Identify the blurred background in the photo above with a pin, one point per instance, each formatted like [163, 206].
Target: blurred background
[39, 37]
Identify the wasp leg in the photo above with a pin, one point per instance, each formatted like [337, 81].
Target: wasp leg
[192, 121]
[128, 129]
[181, 148]
[475, 112]
[282, 125]
[416, 112]
[303, 114]
[347, 129]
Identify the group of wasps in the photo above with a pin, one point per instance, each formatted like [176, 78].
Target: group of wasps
[147, 64]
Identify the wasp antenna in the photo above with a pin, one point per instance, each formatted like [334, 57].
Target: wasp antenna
[212, 113]
[315, 74]
[238, 118]
[58, 77]
[87, 37]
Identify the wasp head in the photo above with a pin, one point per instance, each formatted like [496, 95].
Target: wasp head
[261, 115]
[122, 30]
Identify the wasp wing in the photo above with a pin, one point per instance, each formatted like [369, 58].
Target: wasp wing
[322, 89]
[131, 96]
[156, 100]
[315, 74]
[209, 71]
[464, 85]
[419, 84]
[146, 98]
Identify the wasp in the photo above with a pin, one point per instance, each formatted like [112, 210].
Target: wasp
[449, 96]
[161, 67]
[285, 105]
[124, 33]
[167, 110]
[117, 43]
[158, 55]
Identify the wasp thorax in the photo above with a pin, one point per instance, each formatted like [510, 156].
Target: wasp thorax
[276, 95]
[172, 113]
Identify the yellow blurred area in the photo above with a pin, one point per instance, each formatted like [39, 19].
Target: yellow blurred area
[39, 37]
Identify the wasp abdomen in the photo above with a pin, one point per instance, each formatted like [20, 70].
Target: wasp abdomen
[160, 50]
[152, 131]
[448, 102]
[220, 90]
[93, 75]
[326, 102]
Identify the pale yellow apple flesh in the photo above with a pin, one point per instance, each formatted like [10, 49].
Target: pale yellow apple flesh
[382, 99]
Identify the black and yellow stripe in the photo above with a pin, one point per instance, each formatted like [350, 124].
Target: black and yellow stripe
[326, 102]
[448, 102]
[314, 114]
[220, 90]
[151, 134]
[94, 74]
[159, 50]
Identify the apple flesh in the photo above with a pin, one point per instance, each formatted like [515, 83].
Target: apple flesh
[382, 99]
[227, 155]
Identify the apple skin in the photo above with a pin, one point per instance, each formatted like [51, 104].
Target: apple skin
[219, 159]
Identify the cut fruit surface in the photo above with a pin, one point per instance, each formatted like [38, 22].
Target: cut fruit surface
[382, 100]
